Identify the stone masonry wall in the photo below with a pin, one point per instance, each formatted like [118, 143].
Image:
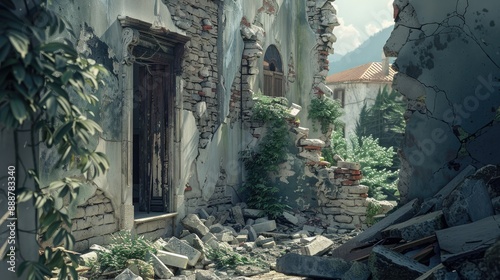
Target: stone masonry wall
[199, 65]
[94, 222]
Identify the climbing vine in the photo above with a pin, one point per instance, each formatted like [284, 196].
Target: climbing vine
[41, 81]
[271, 151]
[326, 111]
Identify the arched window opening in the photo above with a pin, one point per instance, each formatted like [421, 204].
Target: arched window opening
[273, 73]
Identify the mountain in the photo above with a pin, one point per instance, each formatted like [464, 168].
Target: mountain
[369, 51]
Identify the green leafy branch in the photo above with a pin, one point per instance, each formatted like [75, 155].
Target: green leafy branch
[41, 81]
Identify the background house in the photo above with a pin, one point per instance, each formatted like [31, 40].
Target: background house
[358, 86]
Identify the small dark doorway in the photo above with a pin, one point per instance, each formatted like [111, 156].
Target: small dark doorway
[154, 87]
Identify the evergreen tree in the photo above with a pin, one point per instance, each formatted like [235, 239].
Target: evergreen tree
[384, 119]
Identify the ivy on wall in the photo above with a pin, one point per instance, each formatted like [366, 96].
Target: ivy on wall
[266, 157]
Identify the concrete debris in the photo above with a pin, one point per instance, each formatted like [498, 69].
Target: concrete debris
[318, 246]
[172, 259]
[193, 223]
[389, 265]
[127, 274]
[416, 228]
[312, 266]
[174, 245]
[469, 202]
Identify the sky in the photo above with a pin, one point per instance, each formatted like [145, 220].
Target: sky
[359, 19]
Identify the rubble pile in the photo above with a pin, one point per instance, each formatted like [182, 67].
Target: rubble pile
[237, 233]
[453, 235]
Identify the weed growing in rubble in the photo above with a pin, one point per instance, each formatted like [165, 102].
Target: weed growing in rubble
[265, 158]
[372, 210]
[326, 111]
[124, 246]
[228, 259]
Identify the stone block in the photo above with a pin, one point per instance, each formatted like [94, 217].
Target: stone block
[261, 240]
[127, 274]
[417, 228]
[389, 265]
[193, 223]
[252, 234]
[349, 165]
[209, 236]
[343, 219]
[172, 259]
[87, 258]
[242, 238]
[174, 245]
[238, 215]
[312, 142]
[206, 275]
[468, 203]
[318, 246]
[312, 266]
[161, 270]
[291, 218]
[203, 214]
[269, 245]
[357, 189]
[216, 228]
[265, 226]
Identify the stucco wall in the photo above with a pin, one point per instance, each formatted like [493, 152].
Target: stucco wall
[448, 57]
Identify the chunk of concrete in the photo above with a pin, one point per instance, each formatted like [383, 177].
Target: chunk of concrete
[312, 266]
[417, 228]
[402, 214]
[127, 274]
[161, 270]
[206, 275]
[468, 203]
[172, 259]
[174, 245]
[238, 215]
[87, 258]
[252, 234]
[268, 245]
[318, 246]
[291, 218]
[389, 265]
[459, 241]
[358, 271]
[194, 224]
[253, 213]
[216, 228]
[264, 226]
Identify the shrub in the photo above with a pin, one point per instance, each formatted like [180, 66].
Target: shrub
[326, 111]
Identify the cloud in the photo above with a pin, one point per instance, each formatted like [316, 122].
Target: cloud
[373, 28]
[348, 38]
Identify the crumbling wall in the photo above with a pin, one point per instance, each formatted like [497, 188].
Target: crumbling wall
[94, 222]
[448, 60]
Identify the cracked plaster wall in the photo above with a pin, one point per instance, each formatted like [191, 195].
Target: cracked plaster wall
[448, 57]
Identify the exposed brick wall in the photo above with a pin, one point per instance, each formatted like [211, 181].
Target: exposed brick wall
[94, 222]
[199, 66]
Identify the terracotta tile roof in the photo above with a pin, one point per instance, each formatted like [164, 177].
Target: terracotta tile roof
[370, 72]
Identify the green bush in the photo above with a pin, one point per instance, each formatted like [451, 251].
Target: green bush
[375, 161]
[326, 111]
[124, 246]
[228, 259]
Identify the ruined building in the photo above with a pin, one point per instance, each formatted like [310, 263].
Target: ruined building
[176, 106]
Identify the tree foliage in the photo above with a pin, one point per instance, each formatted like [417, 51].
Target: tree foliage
[374, 159]
[41, 80]
[384, 119]
[326, 111]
